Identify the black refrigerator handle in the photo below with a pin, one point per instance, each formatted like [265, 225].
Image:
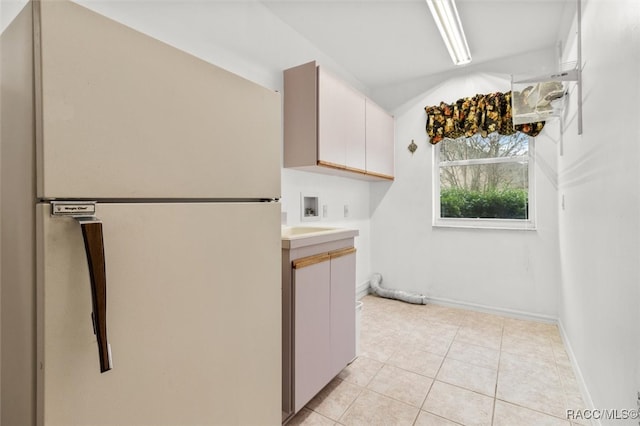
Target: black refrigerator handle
[94, 247]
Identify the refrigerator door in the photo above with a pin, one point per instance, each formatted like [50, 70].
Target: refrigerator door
[193, 314]
[123, 115]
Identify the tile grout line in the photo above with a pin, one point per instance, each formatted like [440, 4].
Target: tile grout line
[527, 407]
[440, 367]
[425, 399]
[366, 387]
[534, 410]
[495, 390]
[562, 379]
[350, 404]
[437, 372]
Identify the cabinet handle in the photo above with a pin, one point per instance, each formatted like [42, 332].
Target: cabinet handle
[341, 252]
[310, 260]
[303, 262]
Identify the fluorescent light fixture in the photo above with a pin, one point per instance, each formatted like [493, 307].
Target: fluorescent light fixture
[446, 16]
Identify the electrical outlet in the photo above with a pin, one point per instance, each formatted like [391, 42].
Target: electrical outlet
[325, 210]
[346, 210]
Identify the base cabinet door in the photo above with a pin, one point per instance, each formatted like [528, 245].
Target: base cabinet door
[343, 314]
[312, 335]
[323, 320]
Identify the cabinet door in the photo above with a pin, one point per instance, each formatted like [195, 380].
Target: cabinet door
[343, 302]
[341, 123]
[380, 140]
[312, 335]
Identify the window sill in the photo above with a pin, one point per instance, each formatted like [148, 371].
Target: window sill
[494, 224]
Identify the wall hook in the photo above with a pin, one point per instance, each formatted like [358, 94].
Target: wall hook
[412, 146]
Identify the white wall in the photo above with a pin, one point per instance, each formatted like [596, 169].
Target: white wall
[504, 269]
[9, 9]
[599, 227]
[335, 193]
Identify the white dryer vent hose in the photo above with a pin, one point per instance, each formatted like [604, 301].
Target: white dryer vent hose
[378, 290]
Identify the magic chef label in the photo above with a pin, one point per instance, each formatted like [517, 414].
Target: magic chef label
[73, 209]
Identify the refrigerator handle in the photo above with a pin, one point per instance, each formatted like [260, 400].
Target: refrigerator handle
[94, 246]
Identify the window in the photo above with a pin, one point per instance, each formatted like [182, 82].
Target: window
[484, 182]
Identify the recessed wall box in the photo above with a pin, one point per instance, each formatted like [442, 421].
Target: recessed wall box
[309, 207]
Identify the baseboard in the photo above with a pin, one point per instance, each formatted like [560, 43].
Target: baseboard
[493, 310]
[586, 396]
[362, 290]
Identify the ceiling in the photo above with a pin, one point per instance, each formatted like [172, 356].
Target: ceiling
[376, 45]
[385, 42]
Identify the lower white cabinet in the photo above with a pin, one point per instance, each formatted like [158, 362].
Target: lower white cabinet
[323, 321]
[343, 312]
[312, 329]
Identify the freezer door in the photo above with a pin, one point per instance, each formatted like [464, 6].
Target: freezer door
[193, 302]
[123, 115]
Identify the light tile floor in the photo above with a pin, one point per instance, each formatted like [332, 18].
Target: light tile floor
[433, 365]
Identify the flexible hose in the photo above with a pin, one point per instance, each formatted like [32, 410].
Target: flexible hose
[377, 288]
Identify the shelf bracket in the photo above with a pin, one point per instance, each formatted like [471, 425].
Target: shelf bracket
[564, 75]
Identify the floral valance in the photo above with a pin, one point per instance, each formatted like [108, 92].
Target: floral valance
[480, 114]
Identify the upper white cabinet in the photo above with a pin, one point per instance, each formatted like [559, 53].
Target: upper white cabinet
[341, 124]
[329, 127]
[380, 135]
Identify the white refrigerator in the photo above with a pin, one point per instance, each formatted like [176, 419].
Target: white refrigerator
[140, 230]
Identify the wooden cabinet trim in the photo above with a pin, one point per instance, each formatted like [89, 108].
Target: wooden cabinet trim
[341, 252]
[380, 175]
[310, 260]
[303, 262]
[331, 165]
[354, 170]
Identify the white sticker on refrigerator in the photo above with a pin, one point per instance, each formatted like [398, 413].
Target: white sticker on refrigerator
[73, 209]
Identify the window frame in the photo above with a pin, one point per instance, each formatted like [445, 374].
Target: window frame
[528, 224]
